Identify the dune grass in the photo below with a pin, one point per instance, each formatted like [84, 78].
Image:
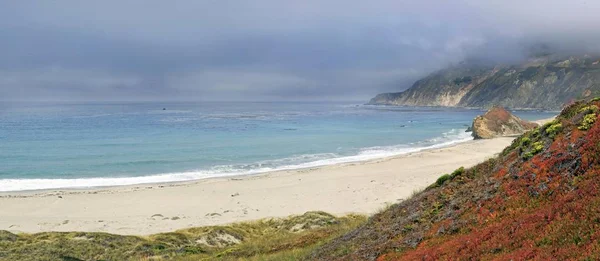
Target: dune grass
[268, 239]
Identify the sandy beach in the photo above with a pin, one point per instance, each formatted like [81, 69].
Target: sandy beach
[362, 187]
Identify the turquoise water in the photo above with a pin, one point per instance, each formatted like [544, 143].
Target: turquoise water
[44, 146]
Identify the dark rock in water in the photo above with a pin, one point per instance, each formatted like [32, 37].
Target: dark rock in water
[469, 129]
[402, 126]
[289, 129]
[499, 122]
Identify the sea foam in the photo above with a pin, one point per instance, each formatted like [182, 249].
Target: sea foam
[290, 163]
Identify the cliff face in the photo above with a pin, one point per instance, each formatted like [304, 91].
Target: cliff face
[443, 88]
[541, 84]
[498, 122]
[538, 200]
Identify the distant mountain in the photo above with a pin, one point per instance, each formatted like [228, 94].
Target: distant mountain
[538, 200]
[545, 82]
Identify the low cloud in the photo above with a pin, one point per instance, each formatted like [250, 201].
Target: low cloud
[267, 50]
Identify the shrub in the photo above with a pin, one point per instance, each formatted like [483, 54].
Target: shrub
[589, 109]
[440, 181]
[528, 155]
[524, 141]
[596, 99]
[553, 129]
[536, 147]
[457, 172]
[588, 121]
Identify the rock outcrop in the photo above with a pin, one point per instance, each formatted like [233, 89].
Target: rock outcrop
[498, 122]
[541, 83]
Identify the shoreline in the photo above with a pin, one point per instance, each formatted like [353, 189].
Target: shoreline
[75, 190]
[358, 187]
[25, 192]
[363, 187]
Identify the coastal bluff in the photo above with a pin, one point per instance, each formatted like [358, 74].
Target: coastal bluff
[547, 82]
[498, 122]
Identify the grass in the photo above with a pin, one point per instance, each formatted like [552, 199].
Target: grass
[269, 239]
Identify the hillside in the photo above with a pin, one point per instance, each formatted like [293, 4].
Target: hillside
[542, 83]
[539, 199]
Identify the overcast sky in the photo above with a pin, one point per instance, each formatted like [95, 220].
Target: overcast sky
[265, 49]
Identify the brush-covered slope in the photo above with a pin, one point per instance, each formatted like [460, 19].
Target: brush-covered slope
[539, 199]
[543, 83]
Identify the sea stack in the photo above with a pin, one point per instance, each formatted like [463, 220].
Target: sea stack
[498, 122]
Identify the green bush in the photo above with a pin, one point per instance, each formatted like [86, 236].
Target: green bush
[589, 109]
[440, 181]
[536, 148]
[588, 121]
[527, 155]
[553, 129]
[458, 172]
[524, 141]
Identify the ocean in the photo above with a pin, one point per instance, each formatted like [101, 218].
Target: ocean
[52, 146]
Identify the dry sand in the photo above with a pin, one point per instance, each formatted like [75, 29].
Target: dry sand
[363, 187]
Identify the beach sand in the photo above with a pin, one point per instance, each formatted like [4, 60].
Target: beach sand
[362, 187]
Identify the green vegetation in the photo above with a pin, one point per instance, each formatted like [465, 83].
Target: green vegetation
[536, 148]
[440, 181]
[588, 121]
[589, 109]
[552, 128]
[535, 132]
[457, 172]
[524, 141]
[269, 239]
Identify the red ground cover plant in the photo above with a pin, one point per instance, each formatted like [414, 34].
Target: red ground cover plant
[544, 207]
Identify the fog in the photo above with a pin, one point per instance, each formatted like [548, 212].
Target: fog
[267, 50]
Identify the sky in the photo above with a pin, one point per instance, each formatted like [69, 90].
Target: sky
[266, 50]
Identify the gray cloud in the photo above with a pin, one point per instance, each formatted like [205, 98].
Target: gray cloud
[266, 50]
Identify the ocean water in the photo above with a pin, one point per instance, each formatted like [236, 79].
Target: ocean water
[49, 146]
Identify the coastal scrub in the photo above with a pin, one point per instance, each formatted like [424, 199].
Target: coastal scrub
[267, 239]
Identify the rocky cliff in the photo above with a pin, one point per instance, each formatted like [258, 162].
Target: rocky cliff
[541, 83]
[498, 122]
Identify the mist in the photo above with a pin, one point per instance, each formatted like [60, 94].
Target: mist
[267, 50]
